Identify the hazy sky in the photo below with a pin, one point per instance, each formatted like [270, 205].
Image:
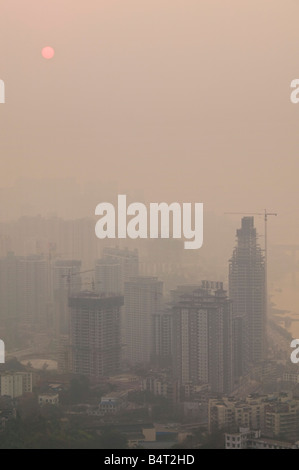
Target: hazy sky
[188, 100]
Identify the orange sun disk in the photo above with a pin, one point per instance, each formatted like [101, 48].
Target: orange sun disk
[48, 52]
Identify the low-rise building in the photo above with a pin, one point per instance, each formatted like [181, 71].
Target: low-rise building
[248, 439]
[113, 403]
[48, 399]
[290, 377]
[162, 386]
[276, 415]
[15, 384]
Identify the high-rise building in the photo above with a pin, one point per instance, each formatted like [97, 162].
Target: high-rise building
[66, 280]
[143, 299]
[162, 335]
[202, 338]
[24, 289]
[24, 295]
[247, 291]
[9, 301]
[95, 346]
[8, 286]
[115, 268]
[33, 290]
[64, 355]
[15, 384]
[128, 261]
[108, 276]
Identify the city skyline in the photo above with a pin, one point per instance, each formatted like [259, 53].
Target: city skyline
[145, 300]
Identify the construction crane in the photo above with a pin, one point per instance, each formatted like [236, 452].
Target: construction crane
[265, 214]
[70, 274]
[91, 283]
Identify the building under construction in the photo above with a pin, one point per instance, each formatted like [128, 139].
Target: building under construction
[247, 291]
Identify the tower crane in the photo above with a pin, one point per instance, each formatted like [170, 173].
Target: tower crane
[69, 275]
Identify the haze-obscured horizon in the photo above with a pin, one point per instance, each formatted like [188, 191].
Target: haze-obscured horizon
[184, 100]
[168, 101]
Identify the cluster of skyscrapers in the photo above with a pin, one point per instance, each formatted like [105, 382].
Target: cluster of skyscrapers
[119, 319]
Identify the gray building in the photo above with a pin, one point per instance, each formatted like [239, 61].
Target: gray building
[247, 291]
[66, 280]
[143, 300]
[24, 290]
[95, 346]
[108, 276]
[128, 261]
[202, 338]
[115, 268]
[162, 336]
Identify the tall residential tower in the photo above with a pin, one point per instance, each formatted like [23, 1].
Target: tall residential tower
[95, 334]
[247, 291]
[202, 336]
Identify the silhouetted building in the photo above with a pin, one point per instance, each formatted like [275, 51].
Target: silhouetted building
[143, 300]
[66, 280]
[202, 338]
[95, 334]
[162, 336]
[128, 261]
[108, 276]
[15, 384]
[247, 291]
[24, 291]
[116, 267]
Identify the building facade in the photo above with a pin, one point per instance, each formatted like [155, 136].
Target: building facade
[143, 300]
[95, 346]
[15, 384]
[247, 291]
[202, 338]
[66, 280]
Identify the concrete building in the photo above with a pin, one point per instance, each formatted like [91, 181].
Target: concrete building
[241, 439]
[162, 386]
[116, 267]
[95, 345]
[113, 403]
[33, 291]
[27, 381]
[275, 415]
[15, 384]
[24, 293]
[128, 261]
[202, 338]
[66, 280]
[8, 286]
[48, 399]
[64, 355]
[143, 299]
[247, 291]
[108, 276]
[282, 419]
[11, 385]
[231, 413]
[162, 337]
[248, 439]
[290, 377]
[9, 299]
[142, 436]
